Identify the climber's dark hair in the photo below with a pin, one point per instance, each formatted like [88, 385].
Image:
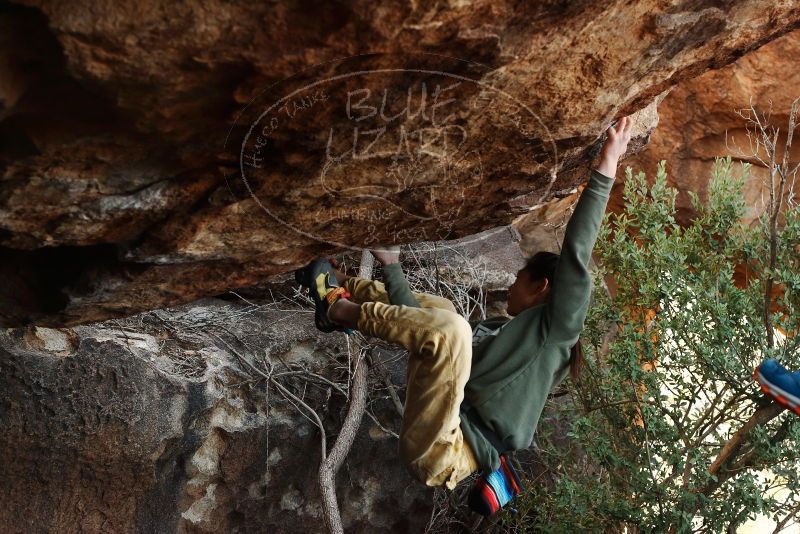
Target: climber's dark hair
[543, 265]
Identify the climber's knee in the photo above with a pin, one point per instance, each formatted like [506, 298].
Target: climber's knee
[455, 329]
[434, 301]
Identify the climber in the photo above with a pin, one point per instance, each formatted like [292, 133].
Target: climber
[475, 391]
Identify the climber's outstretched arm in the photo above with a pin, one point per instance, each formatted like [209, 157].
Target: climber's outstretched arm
[568, 303]
[615, 146]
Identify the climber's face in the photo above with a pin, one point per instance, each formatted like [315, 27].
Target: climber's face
[525, 293]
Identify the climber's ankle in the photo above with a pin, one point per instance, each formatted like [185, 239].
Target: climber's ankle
[341, 277]
[344, 312]
[334, 310]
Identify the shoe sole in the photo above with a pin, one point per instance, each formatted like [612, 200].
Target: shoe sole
[303, 277]
[784, 398]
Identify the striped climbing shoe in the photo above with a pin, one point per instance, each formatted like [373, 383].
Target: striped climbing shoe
[318, 277]
[780, 384]
[493, 491]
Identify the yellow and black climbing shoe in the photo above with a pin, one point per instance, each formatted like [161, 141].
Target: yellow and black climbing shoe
[319, 278]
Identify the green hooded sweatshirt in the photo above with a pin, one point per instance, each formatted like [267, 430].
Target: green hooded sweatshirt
[516, 363]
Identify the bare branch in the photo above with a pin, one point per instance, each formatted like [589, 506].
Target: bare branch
[330, 465]
[352, 421]
[760, 417]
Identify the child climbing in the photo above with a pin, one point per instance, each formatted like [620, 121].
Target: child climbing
[476, 391]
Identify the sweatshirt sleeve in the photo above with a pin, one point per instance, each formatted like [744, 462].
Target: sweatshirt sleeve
[397, 286]
[568, 303]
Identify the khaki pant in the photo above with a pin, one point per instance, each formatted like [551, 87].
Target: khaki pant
[439, 342]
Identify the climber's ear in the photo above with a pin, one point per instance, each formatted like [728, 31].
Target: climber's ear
[537, 288]
[544, 285]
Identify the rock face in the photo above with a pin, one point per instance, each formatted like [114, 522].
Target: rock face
[155, 153]
[699, 121]
[153, 424]
[149, 425]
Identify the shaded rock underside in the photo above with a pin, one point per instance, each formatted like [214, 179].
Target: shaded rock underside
[156, 153]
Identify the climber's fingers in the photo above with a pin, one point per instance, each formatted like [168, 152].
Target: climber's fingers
[616, 128]
[628, 127]
[610, 131]
[621, 130]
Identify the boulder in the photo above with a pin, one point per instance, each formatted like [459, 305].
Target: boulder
[698, 120]
[704, 118]
[154, 153]
[151, 424]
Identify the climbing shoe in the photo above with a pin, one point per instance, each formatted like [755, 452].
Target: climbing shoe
[492, 492]
[319, 278]
[779, 383]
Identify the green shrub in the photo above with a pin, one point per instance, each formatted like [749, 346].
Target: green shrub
[662, 394]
